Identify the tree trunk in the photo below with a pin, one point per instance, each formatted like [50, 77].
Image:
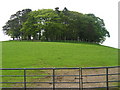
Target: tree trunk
[29, 37]
[39, 36]
[13, 38]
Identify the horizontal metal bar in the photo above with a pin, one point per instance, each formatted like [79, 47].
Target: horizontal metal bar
[101, 67]
[56, 68]
[33, 87]
[95, 82]
[101, 82]
[34, 68]
[11, 75]
[101, 74]
[66, 82]
[35, 75]
[39, 82]
[55, 88]
[100, 87]
[114, 81]
[39, 88]
[11, 87]
[25, 82]
[55, 75]
[60, 82]
[11, 82]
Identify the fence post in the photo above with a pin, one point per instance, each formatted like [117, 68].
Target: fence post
[81, 79]
[24, 79]
[53, 79]
[107, 79]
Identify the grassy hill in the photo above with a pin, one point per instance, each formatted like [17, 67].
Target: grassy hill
[17, 54]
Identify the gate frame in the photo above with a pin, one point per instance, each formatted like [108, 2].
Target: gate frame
[53, 76]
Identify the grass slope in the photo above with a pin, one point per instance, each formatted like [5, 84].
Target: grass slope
[18, 54]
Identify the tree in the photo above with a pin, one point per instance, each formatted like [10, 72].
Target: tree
[13, 26]
[56, 25]
[99, 27]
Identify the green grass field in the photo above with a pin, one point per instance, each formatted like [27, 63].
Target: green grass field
[25, 54]
[18, 54]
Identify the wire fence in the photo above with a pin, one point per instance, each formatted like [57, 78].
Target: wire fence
[97, 78]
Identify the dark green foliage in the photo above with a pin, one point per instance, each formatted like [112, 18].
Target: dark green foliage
[13, 26]
[56, 25]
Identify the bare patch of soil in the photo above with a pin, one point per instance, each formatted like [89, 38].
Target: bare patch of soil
[84, 82]
[74, 81]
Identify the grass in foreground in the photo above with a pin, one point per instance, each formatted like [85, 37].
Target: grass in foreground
[56, 54]
[18, 54]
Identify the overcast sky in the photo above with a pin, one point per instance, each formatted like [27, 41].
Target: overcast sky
[105, 9]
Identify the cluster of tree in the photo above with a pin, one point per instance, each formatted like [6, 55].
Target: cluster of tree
[56, 25]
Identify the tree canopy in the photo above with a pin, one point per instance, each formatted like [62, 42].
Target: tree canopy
[56, 25]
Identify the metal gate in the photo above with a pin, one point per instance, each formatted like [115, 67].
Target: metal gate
[91, 78]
